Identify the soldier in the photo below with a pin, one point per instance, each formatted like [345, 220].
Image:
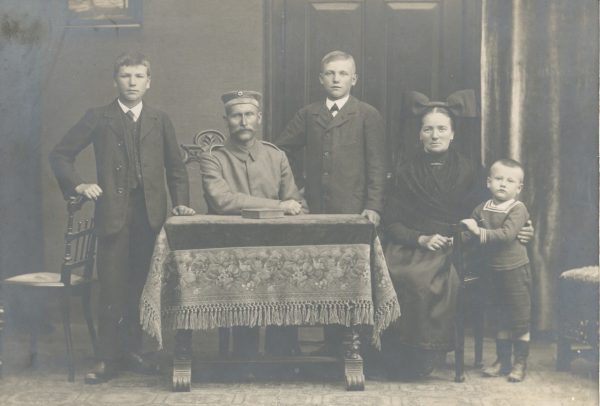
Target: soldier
[248, 173]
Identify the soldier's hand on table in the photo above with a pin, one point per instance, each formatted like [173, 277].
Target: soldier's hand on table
[434, 242]
[182, 210]
[291, 207]
[372, 216]
[90, 190]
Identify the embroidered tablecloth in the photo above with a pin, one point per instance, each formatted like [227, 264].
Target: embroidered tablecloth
[224, 271]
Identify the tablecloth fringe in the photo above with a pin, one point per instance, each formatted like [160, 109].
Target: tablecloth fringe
[199, 317]
[205, 317]
[150, 321]
[385, 314]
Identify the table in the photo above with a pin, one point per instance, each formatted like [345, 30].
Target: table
[223, 271]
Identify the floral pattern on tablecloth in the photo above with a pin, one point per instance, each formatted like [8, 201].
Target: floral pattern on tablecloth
[346, 284]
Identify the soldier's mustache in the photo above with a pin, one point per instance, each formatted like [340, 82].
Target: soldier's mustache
[243, 130]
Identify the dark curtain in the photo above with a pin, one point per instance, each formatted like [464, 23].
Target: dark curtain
[26, 40]
[540, 106]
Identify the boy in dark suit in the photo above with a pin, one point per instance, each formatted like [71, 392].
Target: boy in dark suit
[135, 147]
[345, 158]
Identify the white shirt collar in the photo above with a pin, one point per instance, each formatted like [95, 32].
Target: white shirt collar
[340, 102]
[136, 110]
[503, 205]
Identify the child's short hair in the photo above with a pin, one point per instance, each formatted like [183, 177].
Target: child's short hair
[131, 59]
[509, 163]
[336, 56]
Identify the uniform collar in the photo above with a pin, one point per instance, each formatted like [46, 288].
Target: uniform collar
[136, 110]
[243, 153]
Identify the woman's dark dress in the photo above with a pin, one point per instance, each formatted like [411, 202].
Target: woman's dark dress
[428, 196]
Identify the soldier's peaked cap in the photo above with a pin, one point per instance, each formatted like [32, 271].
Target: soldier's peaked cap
[241, 97]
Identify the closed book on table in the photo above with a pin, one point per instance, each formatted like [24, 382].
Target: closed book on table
[262, 213]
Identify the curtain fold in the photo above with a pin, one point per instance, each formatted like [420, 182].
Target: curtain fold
[539, 85]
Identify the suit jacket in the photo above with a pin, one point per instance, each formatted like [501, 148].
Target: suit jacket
[159, 155]
[345, 159]
[236, 179]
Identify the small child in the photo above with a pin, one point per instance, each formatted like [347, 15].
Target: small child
[496, 223]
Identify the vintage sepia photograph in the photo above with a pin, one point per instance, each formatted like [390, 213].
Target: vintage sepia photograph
[299, 202]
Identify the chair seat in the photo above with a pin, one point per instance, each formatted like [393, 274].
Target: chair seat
[587, 274]
[578, 314]
[42, 279]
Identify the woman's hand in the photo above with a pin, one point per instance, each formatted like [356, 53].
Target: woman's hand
[525, 234]
[434, 242]
[90, 190]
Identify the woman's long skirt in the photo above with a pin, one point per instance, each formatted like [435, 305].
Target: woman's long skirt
[427, 286]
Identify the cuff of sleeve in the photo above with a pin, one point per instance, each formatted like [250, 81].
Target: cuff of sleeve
[403, 235]
[482, 235]
[374, 207]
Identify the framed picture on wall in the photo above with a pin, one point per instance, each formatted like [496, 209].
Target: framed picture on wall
[104, 13]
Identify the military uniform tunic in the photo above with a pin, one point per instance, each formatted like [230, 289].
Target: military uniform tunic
[236, 178]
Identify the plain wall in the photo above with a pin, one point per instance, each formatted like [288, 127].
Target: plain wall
[197, 50]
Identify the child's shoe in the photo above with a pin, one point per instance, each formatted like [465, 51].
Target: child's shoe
[520, 365]
[502, 365]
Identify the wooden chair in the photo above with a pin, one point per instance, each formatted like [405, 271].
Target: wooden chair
[203, 141]
[74, 279]
[471, 280]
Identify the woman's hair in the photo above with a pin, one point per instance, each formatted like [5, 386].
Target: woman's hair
[441, 110]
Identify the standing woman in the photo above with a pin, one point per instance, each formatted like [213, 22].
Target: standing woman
[428, 196]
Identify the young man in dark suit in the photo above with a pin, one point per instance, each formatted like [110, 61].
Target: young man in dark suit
[135, 147]
[345, 159]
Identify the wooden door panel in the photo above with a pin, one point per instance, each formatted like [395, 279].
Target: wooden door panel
[412, 58]
[431, 46]
[413, 46]
[332, 26]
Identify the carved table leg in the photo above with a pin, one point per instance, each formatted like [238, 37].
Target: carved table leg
[182, 361]
[353, 362]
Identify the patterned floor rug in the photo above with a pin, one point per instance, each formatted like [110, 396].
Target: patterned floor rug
[46, 384]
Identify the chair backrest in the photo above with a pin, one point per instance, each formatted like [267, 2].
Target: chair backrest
[80, 243]
[468, 259]
[203, 141]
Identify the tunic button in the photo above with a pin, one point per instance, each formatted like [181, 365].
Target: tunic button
[325, 173]
[326, 153]
[120, 191]
[120, 144]
[118, 168]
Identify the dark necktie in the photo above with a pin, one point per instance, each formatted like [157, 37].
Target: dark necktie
[135, 174]
[334, 109]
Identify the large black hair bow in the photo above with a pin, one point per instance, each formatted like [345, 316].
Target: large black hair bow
[461, 103]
